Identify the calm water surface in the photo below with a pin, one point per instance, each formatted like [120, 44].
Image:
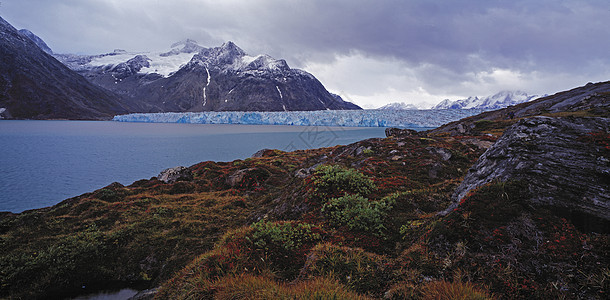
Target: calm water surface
[44, 162]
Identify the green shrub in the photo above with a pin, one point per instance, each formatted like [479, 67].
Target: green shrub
[358, 213]
[287, 235]
[336, 181]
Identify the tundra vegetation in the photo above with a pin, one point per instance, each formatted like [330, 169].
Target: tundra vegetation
[328, 223]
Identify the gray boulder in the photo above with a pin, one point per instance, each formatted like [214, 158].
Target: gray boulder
[397, 132]
[174, 174]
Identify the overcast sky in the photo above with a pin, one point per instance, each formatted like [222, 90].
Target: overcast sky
[369, 52]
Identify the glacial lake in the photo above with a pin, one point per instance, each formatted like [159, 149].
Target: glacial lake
[45, 162]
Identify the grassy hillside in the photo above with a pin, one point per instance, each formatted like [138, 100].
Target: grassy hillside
[346, 222]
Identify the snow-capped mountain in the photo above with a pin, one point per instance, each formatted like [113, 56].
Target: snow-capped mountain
[193, 78]
[497, 101]
[399, 106]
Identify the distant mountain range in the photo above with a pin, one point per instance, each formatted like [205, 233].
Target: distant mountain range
[36, 83]
[193, 78]
[399, 106]
[186, 78]
[497, 101]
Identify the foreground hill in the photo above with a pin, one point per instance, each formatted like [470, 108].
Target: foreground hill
[413, 215]
[34, 85]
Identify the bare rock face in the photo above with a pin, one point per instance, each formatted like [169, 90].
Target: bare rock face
[172, 175]
[564, 161]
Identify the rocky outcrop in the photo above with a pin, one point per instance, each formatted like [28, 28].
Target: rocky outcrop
[174, 174]
[397, 132]
[262, 152]
[131, 67]
[564, 161]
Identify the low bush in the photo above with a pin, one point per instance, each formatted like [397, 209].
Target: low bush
[286, 235]
[358, 213]
[336, 181]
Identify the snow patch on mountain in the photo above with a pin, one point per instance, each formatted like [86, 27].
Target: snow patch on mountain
[497, 101]
[399, 106]
[162, 63]
[167, 65]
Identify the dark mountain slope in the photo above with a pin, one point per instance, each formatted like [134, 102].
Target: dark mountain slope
[34, 85]
[37, 40]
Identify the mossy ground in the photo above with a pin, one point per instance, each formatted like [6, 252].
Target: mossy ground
[269, 226]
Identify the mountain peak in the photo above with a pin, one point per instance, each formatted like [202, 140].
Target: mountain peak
[232, 49]
[399, 106]
[37, 40]
[188, 46]
[184, 43]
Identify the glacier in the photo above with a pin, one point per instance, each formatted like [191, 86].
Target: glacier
[429, 118]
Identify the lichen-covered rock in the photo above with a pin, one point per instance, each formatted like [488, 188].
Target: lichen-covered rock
[263, 153]
[564, 161]
[397, 132]
[174, 174]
